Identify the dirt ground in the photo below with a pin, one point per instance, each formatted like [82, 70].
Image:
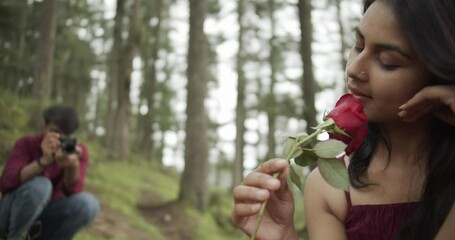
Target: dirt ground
[169, 217]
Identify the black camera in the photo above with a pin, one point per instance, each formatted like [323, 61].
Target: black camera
[68, 144]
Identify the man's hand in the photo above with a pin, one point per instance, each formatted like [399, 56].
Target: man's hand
[68, 160]
[437, 100]
[50, 145]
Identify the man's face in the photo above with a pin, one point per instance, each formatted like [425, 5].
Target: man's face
[52, 127]
[66, 142]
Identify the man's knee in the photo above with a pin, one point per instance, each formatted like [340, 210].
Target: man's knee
[36, 191]
[86, 207]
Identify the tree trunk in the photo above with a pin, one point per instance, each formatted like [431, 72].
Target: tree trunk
[240, 108]
[193, 186]
[149, 90]
[44, 59]
[344, 47]
[114, 78]
[121, 145]
[273, 61]
[19, 72]
[308, 83]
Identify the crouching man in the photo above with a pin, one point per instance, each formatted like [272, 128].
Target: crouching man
[42, 182]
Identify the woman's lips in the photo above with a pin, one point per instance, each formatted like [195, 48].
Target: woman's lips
[359, 95]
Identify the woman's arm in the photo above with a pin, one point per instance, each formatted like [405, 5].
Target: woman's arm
[438, 100]
[447, 231]
[319, 215]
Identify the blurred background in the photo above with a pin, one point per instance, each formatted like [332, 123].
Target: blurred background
[179, 99]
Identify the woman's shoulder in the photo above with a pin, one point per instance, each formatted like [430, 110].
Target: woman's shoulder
[318, 191]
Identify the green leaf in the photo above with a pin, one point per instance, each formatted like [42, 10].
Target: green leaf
[288, 145]
[306, 158]
[298, 135]
[295, 178]
[334, 172]
[291, 150]
[340, 131]
[324, 116]
[326, 124]
[298, 151]
[329, 149]
[302, 137]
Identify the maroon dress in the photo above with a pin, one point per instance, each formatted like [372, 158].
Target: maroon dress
[378, 221]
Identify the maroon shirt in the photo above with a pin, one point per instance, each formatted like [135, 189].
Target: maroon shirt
[28, 149]
[377, 221]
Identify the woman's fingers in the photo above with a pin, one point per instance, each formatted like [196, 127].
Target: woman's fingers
[438, 100]
[246, 209]
[250, 194]
[261, 180]
[248, 202]
[272, 166]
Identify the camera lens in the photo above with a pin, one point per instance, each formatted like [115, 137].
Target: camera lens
[68, 144]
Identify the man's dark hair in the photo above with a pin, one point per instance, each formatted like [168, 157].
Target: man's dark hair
[64, 117]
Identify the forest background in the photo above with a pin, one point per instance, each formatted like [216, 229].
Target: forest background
[178, 99]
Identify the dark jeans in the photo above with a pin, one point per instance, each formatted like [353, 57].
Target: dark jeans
[60, 219]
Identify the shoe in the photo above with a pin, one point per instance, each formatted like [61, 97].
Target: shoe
[35, 230]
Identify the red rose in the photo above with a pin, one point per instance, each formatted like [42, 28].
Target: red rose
[349, 116]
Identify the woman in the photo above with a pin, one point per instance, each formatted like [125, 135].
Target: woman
[402, 183]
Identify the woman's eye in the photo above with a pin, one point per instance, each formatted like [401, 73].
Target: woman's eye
[388, 67]
[358, 49]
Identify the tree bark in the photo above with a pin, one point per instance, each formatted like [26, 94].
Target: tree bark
[44, 59]
[126, 68]
[114, 78]
[240, 108]
[149, 90]
[273, 61]
[343, 45]
[308, 82]
[193, 186]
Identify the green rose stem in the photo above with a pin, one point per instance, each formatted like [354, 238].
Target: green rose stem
[294, 148]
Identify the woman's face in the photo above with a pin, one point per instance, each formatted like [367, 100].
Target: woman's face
[383, 71]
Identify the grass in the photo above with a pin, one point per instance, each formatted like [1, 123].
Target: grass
[120, 184]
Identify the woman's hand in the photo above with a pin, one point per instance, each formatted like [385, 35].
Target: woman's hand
[258, 187]
[438, 100]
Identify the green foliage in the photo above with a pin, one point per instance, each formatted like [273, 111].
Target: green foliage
[119, 185]
[213, 7]
[329, 149]
[10, 11]
[334, 172]
[206, 226]
[13, 121]
[324, 152]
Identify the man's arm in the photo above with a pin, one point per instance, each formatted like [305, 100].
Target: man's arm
[19, 167]
[75, 168]
[71, 172]
[33, 169]
[48, 146]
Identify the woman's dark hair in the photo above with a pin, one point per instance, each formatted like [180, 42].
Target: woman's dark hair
[429, 25]
[64, 117]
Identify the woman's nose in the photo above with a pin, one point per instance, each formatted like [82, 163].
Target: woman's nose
[356, 68]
